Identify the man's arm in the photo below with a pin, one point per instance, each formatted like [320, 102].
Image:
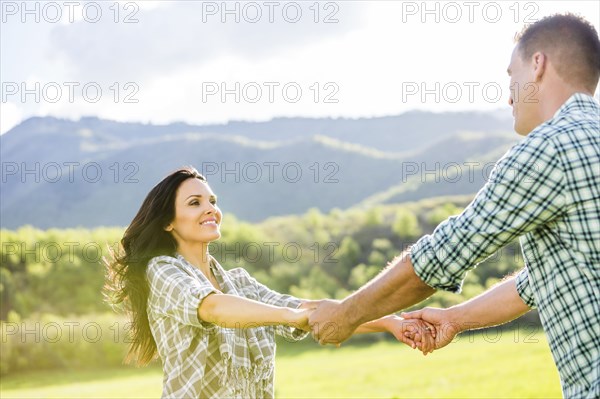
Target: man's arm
[498, 305]
[397, 287]
[509, 205]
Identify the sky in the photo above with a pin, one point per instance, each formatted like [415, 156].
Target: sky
[205, 62]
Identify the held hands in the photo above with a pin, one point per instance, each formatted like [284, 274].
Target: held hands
[413, 332]
[329, 322]
[440, 320]
[330, 327]
[302, 313]
[426, 329]
[298, 318]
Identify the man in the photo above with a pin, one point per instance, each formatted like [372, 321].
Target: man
[546, 190]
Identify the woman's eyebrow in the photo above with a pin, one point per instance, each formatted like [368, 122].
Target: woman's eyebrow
[193, 195]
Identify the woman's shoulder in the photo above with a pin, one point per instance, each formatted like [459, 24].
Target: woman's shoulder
[161, 263]
[162, 259]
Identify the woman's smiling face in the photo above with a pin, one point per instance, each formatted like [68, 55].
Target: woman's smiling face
[197, 216]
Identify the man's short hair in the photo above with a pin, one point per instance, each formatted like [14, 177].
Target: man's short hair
[571, 44]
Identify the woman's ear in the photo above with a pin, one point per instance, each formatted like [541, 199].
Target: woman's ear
[169, 227]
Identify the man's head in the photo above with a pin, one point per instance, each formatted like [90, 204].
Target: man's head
[553, 59]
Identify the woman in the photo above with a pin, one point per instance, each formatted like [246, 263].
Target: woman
[213, 329]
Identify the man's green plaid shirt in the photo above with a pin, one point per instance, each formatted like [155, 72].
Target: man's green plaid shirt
[546, 190]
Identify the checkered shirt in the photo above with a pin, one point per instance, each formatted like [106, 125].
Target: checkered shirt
[545, 190]
[189, 347]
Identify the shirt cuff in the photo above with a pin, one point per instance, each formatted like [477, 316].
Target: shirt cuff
[191, 304]
[524, 288]
[297, 334]
[430, 269]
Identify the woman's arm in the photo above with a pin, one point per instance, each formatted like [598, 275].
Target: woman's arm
[415, 335]
[229, 311]
[380, 325]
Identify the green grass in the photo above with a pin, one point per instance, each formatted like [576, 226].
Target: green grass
[472, 367]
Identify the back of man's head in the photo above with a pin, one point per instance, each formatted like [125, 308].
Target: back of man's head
[571, 45]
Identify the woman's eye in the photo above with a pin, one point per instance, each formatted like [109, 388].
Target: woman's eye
[194, 203]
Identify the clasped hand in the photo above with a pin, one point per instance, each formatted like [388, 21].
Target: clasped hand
[425, 330]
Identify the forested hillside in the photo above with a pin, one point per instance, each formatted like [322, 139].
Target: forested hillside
[92, 172]
[52, 279]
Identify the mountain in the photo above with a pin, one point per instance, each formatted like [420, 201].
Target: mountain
[91, 172]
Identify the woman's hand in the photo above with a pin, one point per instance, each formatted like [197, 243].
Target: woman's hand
[415, 333]
[441, 320]
[298, 318]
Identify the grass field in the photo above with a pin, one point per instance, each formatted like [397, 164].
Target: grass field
[476, 366]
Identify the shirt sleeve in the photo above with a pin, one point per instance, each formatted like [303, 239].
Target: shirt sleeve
[268, 296]
[175, 293]
[524, 191]
[524, 288]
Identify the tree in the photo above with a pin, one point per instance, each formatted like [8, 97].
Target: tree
[441, 213]
[374, 216]
[362, 274]
[406, 224]
[316, 285]
[345, 258]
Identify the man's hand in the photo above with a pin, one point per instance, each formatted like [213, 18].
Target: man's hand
[329, 323]
[445, 328]
[310, 303]
[413, 332]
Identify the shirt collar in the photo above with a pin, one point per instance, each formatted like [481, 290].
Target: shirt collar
[211, 262]
[578, 102]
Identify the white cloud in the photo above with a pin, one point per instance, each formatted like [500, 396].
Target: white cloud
[382, 58]
[167, 38]
[10, 116]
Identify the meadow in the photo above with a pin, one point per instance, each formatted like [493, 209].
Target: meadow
[493, 364]
[61, 340]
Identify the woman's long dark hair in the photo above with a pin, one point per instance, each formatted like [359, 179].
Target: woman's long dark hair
[145, 238]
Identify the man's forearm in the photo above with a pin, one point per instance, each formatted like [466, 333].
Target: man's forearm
[497, 305]
[396, 288]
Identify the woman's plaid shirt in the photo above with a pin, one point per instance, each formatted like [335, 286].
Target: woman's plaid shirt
[546, 190]
[189, 347]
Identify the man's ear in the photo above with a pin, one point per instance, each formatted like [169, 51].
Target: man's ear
[539, 63]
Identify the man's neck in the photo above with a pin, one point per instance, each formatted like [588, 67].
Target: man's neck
[554, 95]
